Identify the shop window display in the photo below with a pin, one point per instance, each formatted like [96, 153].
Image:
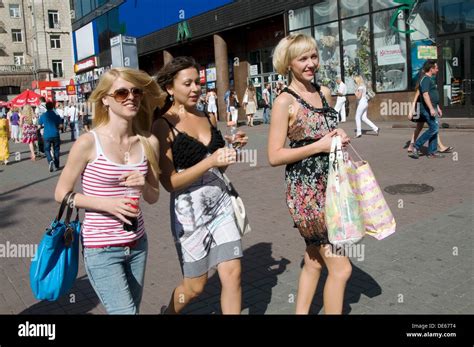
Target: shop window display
[327, 37]
[299, 18]
[351, 8]
[390, 53]
[325, 12]
[356, 50]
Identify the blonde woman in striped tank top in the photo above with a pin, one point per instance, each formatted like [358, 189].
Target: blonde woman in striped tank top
[119, 155]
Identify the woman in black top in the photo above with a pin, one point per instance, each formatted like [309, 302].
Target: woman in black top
[192, 152]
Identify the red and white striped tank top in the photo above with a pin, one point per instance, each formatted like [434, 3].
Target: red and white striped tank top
[101, 178]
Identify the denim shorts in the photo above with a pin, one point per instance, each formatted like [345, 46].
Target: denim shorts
[117, 275]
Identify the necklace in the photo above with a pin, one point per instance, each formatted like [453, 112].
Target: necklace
[126, 154]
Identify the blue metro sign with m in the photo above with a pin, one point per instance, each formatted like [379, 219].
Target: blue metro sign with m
[142, 17]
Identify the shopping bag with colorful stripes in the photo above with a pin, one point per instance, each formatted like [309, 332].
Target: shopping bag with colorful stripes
[378, 219]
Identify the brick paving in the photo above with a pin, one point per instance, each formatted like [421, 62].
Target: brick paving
[425, 267]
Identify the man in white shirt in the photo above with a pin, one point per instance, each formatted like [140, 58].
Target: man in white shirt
[341, 99]
[73, 121]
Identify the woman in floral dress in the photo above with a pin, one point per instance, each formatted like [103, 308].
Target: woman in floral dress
[29, 129]
[302, 114]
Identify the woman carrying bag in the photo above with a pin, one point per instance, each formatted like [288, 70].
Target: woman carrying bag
[118, 165]
[302, 114]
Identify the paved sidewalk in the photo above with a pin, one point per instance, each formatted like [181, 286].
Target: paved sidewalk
[425, 267]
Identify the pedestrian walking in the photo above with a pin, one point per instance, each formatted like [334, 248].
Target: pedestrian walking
[4, 137]
[302, 114]
[341, 99]
[51, 123]
[250, 103]
[362, 107]
[192, 152]
[29, 130]
[429, 111]
[118, 165]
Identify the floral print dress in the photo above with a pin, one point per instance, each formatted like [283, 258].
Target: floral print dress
[306, 179]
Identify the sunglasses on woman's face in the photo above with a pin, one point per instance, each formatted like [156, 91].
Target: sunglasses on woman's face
[121, 94]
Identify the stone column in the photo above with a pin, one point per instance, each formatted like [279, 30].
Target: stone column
[240, 84]
[222, 72]
[167, 57]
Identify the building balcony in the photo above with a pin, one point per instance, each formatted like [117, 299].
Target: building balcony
[16, 69]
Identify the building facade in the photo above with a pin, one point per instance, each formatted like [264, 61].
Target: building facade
[385, 41]
[35, 44]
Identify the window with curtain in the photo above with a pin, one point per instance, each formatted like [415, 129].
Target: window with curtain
[356, 50]
[351, 8]
[383, 4]
[390, 53]
[327, 38]
[325, 12]
[299, 18]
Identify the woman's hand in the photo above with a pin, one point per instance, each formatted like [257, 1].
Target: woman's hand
[223, 157]
[134, 179]
[324, 143]
[239, 141]
[120, 208]
[344, 138]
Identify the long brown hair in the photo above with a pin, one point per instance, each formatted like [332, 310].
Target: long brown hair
[165, 77]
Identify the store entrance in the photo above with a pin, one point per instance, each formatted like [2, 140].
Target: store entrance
[457, 75]
[259, 82]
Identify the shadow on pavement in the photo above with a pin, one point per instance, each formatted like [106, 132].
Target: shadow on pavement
[81, 299]
[359, 283]
[12, 205]
[259, 275]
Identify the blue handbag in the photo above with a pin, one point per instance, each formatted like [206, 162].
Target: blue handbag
[54, 268]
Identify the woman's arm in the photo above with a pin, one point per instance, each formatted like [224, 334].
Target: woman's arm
[81, 153]
[283, 109]
[172, 180]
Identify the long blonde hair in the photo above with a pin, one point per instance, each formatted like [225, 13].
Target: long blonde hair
[28, 113]
[141, 123]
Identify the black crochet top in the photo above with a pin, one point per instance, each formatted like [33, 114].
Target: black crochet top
[188, 151]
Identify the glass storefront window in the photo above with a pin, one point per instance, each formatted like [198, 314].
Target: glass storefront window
[383, 4]
[424, 25]
[325, 12]
[86, 7]
[356, 50]
[299, 18]
[77, 9]
[390, 53]
[327, 38]
[455, 16]
[302, 31]
[351, 8]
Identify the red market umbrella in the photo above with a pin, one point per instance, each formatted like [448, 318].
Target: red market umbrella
[27, 97]
[3, 103]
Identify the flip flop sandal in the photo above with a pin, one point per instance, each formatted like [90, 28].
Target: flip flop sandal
[447, 150]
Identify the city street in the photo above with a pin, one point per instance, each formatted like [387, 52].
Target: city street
[425, 267]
